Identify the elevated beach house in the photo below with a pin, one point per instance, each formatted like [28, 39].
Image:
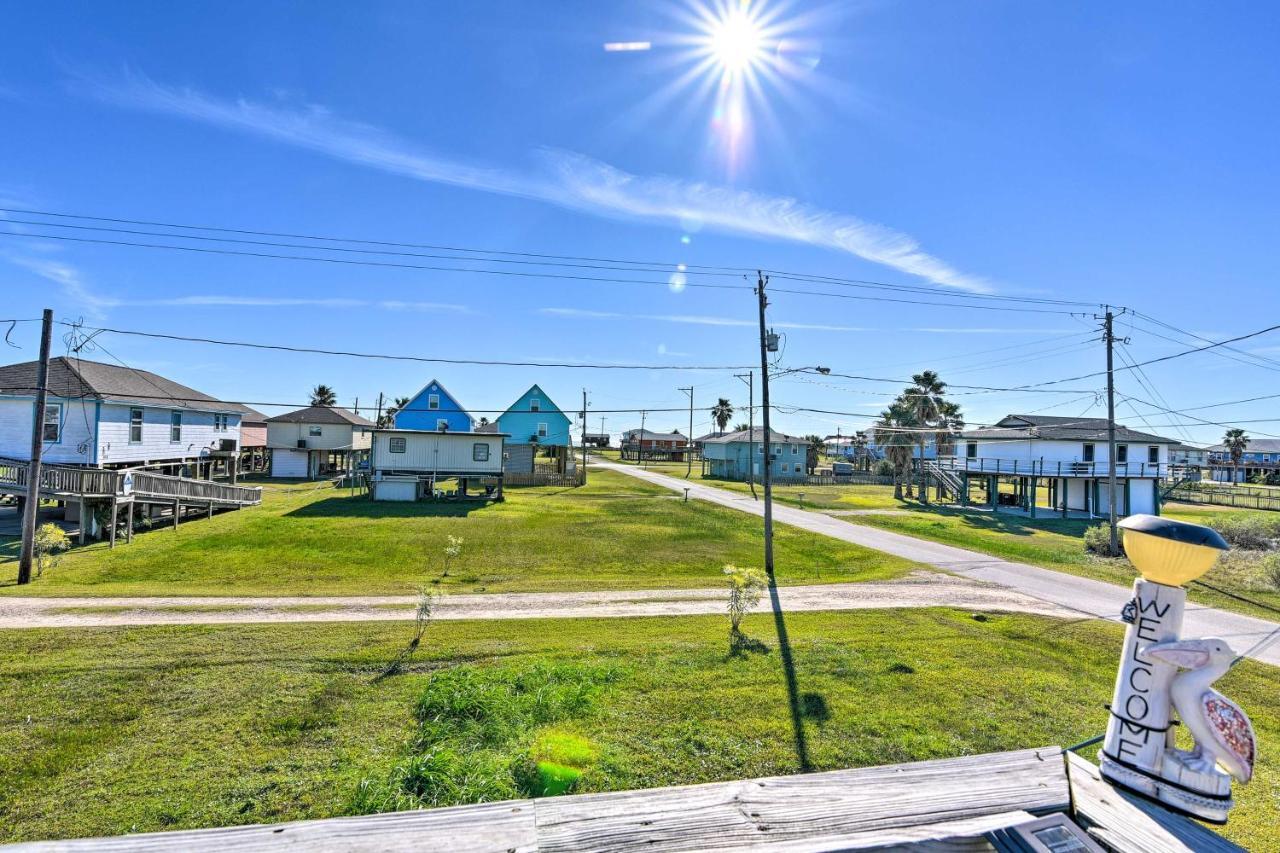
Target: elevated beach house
[533, 422]
[409, 465]
[110, 416]
[434, 408]
[317, 441]
[1059, 465]
[734, 455]
[1261, 456]
[655, 446]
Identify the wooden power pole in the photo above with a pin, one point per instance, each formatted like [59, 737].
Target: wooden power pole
[1111, 435]
[584, 436]
[688, 452]
[32, 508]
[766, 477]
[749, 378]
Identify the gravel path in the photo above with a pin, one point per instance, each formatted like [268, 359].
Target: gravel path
[1256, 638]
[920, 589]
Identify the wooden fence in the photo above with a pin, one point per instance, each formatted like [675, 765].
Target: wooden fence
[541, 478]
[1224, 496]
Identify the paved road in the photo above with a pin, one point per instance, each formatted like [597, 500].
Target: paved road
[920, 589]
[1095, 598]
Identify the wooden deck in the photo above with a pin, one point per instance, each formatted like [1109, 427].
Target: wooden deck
[930, 805]
[58, 482]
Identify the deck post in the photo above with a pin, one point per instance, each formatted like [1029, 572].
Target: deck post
[177, 511]
[115, 516]
[1032, 500]
[964, 493]
[128, 534]
[993, 490]
[210, 513]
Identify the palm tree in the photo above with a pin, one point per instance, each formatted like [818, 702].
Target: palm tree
[739, 427]
[815, 448]
[721, 412]
[1235, 441]
[860, 450]
[323, 395]
[924, 400]
[894, 432]
[484, 421]
[388, 418]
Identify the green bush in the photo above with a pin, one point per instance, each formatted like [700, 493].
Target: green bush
[1250, 532]
[884, 468]
[1097, 540]
[1268, 567]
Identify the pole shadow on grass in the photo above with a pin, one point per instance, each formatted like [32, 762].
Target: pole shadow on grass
[796, 703]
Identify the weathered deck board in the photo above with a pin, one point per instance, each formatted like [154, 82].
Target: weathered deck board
[844, 809]
[843, 803]
[1125, 822]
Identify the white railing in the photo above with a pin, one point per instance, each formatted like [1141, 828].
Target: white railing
[100, 482]
[1048, 468]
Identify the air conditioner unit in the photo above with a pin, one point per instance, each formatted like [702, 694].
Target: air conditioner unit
[302, 444]
[227, 444]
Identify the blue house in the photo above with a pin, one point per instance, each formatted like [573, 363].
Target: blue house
[433, 408]
[733, 455]
[535, 419]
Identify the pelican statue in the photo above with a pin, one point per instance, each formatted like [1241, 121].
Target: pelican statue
[1223, 734]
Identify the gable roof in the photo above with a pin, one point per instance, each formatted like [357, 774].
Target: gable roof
[650, 435]
[547, 406]
[321, 415]
[756, 435]
[77, 378]
[1057, 428]
[440, 389]
[1255, 445]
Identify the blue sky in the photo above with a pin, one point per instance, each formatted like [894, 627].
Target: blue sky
[1084, 152]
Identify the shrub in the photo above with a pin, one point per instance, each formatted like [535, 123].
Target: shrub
[1097, 540]
[1269, 570]
[1250, 532]
[746, 586]
[884, 468]
[50, 543]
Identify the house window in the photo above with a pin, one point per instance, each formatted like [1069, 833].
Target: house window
[135, 426]
[1088, 453]
[760, 449]
[1153, 454]
[1122, 453]
[175, 427]
[315, 431]
[971, 450]
[397, 444]
[433, 401]
[442, 424]
[535, 405]
[795, 450]
[799, 468]
[220, 422]
[542, 430]
[51, 426]
[479, 452]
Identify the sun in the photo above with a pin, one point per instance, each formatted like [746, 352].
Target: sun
[736, 41]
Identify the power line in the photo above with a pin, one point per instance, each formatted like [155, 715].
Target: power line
[539, 258]
[1194, 336]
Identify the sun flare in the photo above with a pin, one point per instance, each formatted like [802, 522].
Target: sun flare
[736, 41]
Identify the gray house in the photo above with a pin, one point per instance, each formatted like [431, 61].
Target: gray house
[732, 455]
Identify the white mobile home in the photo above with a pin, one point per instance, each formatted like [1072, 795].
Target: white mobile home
[1065, 457]
[407, 464]
[109, 416]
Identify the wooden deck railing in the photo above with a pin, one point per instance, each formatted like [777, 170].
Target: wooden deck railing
[100, 482]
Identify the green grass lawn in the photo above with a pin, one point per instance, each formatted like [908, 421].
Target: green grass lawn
[615, 533]
[1048, 541]
[136, 729]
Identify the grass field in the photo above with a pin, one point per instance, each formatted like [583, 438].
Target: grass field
[615, 533]
[135, 729]
[1048, 541]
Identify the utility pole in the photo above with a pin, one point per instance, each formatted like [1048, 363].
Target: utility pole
[1111, 433]
[32, 508]
[761, 281]
[640, 442]
[688, 453]
[602, 432]
[378, 418]
[749, 377]
[584, 436]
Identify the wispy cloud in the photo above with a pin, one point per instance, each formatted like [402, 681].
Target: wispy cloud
[69, 280]
[709, 320]
[564, 178]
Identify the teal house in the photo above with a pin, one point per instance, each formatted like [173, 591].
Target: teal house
[435, 409]
[535, 419]
[737, 455]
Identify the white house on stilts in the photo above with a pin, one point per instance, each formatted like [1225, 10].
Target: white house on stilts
[1058, 465]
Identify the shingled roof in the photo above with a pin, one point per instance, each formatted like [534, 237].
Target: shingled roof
[73, 378]
[321, 415]
[756, 435]
[1056, 428]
